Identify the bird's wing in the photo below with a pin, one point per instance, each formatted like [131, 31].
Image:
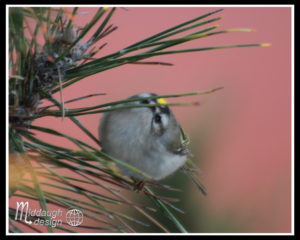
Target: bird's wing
[183, 148]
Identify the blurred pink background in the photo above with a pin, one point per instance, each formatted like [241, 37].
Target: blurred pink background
[245, 129]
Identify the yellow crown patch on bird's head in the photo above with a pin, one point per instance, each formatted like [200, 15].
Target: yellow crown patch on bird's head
[161, 101]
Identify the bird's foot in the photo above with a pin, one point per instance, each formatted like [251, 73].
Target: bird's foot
[139, 186]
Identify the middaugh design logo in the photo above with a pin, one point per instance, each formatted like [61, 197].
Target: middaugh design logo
[74, 217]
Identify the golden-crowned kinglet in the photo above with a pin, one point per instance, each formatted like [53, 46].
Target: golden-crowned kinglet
[148, 138]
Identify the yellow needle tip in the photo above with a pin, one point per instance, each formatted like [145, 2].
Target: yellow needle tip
[265, 44]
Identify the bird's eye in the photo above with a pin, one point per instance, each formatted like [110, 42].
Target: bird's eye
[145, 101]
[157, 118]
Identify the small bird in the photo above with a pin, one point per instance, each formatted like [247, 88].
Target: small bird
[148, 138]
